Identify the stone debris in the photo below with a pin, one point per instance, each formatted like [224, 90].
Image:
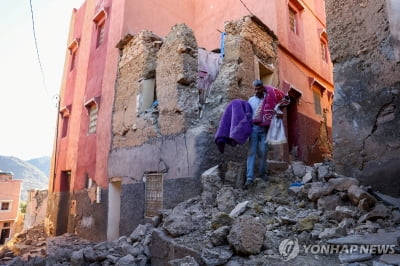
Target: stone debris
[231, 225]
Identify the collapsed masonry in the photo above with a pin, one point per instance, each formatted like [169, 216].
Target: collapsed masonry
[228, 225]
[36, 208]
[169, 97]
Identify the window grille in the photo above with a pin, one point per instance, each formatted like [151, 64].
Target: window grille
[154, 194]
[93, 111]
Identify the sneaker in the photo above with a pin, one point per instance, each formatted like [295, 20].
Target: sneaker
[248, 182]
[265, 178]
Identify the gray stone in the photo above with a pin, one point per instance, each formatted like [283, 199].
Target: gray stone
[235, 174]
[247, 235]
[216, 255]
[17, 261]
[212, 183]
[211, 179]
[77, 258]
[269, 240]
[112, 258]
[127, 260]
[346, 223]
[323, 172]
[178, 224]
[387, 238]
[317, 190]
[307, 223]
[390, 259]
[379, 211]
[342, 183]
[147, 251]
[332, 232]
[141, 260]
[368, 226]
[378, 263]
[329, 202]
[221, 219]
[388, 199]
[298, 168]
[342, 212]
[218, 237]
[94, 254]
[356, 194]
[286, 220]
[184, 218]
[138, 233]
[307, 177]
[226, 199]
[234, 262]
[186, 261]
[134, 251]
[348, 258]
[239, 209]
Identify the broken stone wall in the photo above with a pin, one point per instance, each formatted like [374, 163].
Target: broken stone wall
[176, 75]
[172, 136]
[157, 139]
[247, 42]
[367, 86]
[132, 123]
[36, 208]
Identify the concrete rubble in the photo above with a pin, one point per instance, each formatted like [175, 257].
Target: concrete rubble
[229, 224]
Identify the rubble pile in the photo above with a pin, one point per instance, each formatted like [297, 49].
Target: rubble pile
[302, 207]
[30, 242]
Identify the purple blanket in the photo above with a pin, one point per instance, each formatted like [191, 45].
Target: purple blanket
[235, 125]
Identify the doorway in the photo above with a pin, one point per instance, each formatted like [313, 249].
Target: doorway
[294, 125]
[114, 210]
[5, 234]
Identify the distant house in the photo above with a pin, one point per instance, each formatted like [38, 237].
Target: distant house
[10, 191]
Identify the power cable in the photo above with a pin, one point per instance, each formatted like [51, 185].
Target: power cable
[37, 50]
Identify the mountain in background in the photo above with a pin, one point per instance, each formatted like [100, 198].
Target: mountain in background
[42, 163]
[31, 172]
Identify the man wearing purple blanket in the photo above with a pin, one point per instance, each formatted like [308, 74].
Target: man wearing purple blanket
[262, 104]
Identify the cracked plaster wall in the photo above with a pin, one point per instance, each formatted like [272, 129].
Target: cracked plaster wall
[366, 122]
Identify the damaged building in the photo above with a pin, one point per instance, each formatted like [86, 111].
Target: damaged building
[10, 192]
[365, 47]
[142, 97]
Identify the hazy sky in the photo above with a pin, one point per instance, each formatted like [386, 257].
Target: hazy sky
[27, 107]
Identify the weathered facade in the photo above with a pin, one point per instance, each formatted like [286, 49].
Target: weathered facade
[365, 39]
[36, 206]
[136, 124]
[10, 192]
[173, 141]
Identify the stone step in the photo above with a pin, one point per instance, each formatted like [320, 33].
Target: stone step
[276, 167]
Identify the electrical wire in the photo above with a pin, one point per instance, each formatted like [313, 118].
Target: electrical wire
[37, 50]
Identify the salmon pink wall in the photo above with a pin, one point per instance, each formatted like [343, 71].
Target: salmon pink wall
[10, 191]
[211, 16]
[157, 16]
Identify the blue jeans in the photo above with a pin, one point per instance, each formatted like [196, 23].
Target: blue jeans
[257, 146]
